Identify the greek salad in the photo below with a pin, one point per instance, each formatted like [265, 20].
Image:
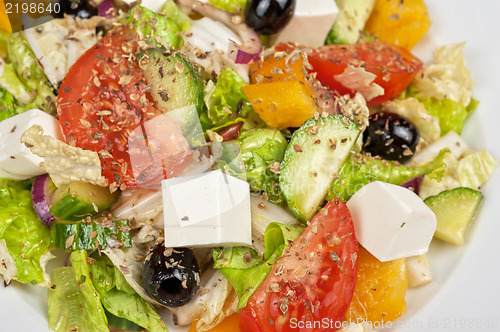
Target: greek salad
[250, 165]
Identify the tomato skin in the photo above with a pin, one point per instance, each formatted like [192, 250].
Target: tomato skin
[102, 100]
[319, 269]
[394, 67]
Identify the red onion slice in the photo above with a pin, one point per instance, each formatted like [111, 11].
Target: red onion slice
[106, 9]
[251, 45]
[414, 183]
[41, 199]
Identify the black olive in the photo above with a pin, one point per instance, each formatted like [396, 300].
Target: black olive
[390, 137]
[171, 276]
[268, 17]
[79, 8]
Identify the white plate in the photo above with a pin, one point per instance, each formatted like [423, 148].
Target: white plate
[466, 290]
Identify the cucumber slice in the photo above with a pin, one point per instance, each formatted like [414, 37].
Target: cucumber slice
[90, 236]
[174, 81]
[312, 160]
[350, 21]
[455, 210]
[77, 200]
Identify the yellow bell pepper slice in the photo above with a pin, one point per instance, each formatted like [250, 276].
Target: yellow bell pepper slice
[380, 289]
[401, 23]
[4, 18]
[281, 104]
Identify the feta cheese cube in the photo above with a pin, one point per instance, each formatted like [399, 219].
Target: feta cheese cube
[16, 160]
[311, 22]
[391, 221]
[209, 209]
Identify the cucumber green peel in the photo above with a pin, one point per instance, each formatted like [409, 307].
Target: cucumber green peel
[313, 158]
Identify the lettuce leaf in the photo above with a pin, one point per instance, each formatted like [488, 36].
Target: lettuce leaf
[227, 104]
[475, 169]
[260, 149]
[7, 105]
[163, 33]
[10, 82]
[359, 170]
[31, 74]
[448, 77]
[245, 268]
[74, 303]
[120, 299]
[172, 11]
[26, 237]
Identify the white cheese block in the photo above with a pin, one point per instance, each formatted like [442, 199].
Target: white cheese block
[16, 160]
[209, 209]
[311, 22]
[391, 222]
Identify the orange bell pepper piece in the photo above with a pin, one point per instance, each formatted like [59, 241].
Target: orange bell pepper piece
[278, 68]
[4, 18]
[380, 289]
[401, 23]
[281, 104]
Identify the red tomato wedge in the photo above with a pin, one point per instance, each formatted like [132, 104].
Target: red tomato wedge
[313, 281]
[103, 99]
[393, 68]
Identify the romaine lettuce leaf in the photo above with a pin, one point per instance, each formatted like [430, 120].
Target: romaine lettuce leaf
[120, 299]
[10, 82]
[31, 74]
[359, 170]
[26, 237]
[245, 268]
[74, 303]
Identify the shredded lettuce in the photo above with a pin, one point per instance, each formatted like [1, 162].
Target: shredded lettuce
[448, 77]
[227, 104]
[120, 299]
[74, 303]
[262, 150]
[26, 237]
[156, 28]
[475, 169]
[245, 268]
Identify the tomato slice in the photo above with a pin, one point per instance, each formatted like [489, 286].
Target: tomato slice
[103, 99]
[394, 67]
[312, 283]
